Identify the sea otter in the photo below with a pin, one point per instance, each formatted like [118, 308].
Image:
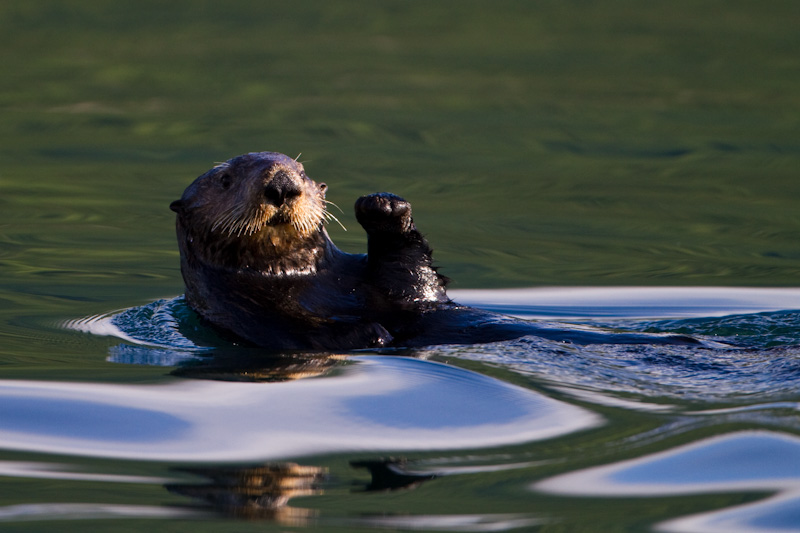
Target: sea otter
[258, 264]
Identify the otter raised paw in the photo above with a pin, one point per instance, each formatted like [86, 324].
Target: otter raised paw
[384, 212]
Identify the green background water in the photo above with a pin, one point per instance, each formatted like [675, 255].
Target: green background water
[566, 143]
[540, 143]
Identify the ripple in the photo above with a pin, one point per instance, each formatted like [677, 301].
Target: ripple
[745, 461]
[371, 403]
[759, 353]
[629, 302]
[648, 371]
[456, 522]
[155, 334]
[90, 511]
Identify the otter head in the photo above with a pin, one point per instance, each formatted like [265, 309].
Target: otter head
[257, 210]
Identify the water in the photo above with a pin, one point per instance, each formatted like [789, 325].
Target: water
[533, 418]
[635, 164]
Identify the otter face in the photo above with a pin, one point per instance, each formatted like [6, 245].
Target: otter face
[262, 194]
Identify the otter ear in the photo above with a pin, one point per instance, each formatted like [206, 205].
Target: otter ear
[177, 206]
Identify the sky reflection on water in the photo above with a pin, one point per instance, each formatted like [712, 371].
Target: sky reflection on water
[745, 461]
[630, 302]
[378, 403]
[90, 511]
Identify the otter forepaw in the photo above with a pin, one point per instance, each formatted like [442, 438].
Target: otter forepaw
[384, 212]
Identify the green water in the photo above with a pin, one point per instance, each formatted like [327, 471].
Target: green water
[541, 143]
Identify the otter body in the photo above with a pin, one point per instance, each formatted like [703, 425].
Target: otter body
[258, 263]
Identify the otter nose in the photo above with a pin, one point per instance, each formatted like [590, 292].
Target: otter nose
[281, 188]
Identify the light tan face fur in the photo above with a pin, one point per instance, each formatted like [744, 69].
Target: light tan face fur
[238, 200]
[248, 214]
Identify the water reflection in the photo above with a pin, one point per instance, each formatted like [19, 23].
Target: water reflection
[393, 404]
[244, 365]
[42, 470]
[370, 403]
[773, 515]
[391, 474]
[630, 302]
[255, 492]
[259, 408]
[462, 522]
[89, 511]
[745, 461]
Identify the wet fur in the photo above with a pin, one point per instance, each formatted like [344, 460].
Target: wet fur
[258, 264]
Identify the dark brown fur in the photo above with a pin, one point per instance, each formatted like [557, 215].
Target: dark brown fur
[258, 264]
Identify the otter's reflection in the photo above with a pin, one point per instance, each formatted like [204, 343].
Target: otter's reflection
[263, 492]
[259, 492]
[242, 404]
[391, 474]
[255, 366]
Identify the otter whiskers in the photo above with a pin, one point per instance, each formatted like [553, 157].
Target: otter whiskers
[329, 216]
[237, 223]
[304, 219]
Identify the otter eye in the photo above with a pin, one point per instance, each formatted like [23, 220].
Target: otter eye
[225, 181]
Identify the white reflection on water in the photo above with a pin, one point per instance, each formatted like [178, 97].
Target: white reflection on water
[464, 522]
[379, 403]
[744, 461]
[773, 515]
[84, 511]
[27, 469]
[630, 302]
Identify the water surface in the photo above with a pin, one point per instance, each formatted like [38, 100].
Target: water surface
[621, 165]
